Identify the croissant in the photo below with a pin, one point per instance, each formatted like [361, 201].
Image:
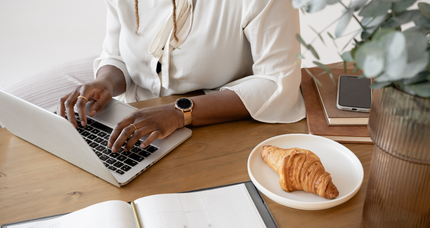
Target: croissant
[299, 169]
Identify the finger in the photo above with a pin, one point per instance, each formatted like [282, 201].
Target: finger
[87, 93]
[145, 130]
[80, 107]
[119, 127]
[69, 104]
[97, 106]
[61, 109]
[153, 136]
[137, 134]
[125, 133]
[116, 131]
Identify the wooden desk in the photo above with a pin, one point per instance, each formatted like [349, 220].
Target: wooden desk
[33, 183]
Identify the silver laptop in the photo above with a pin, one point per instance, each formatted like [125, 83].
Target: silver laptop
[85, 147]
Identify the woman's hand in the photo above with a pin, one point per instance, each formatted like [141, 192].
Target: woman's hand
[157, 122]
[110, 82]
[99, 91]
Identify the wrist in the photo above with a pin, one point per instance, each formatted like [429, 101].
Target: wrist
[185, 106]
[113, 78]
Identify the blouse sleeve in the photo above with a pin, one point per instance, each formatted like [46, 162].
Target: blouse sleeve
[111, 54]
[272, 94]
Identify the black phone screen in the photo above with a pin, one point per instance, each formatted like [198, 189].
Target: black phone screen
[354, 92]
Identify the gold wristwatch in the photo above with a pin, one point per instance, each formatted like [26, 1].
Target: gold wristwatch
[185, 105]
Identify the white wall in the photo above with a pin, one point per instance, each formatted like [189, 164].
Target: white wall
[323, 21]
[38, 34]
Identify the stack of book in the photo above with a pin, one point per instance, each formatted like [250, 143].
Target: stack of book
[323, 117]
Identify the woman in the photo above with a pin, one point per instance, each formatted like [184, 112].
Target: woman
[243, 50]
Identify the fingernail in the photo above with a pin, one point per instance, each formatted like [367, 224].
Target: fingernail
[142, 145]
[92, 113]
[114, 150]
[109, 144]
[83, 123]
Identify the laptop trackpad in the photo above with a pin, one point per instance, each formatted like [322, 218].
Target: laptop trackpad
[114, 112]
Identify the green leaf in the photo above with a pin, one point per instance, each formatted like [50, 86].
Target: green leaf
[357, 4]
[345, 70]
[428, 65]
[421, 20]
[370, 58]
[424, 29]
[312, 49]
[299, 3]
[303, 10]
[395, 67]
[308, 46]
[416, 44]
[331, 2]
[383, 78]
[326, 69]
[421, 77]
[343, 22]
[394, 43]
[300, 56]
[356, 69]
[403, 18]
[424, 9]
[375, 8]
[371, 24]
[421, 89]
[347, 57]
[300, 39]
[403, 87]
[381, 33]
[416, 66]
[316, 5]
[333, 39]
[313, 76]
[401, 6]
[378, 85]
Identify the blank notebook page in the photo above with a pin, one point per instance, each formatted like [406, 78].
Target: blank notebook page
[224, 207]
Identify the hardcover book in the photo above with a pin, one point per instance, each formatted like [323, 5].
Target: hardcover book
[327, 94]
[316, 120]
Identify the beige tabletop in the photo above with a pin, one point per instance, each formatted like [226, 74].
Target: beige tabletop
[34, 183]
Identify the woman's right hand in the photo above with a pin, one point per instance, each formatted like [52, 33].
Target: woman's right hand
[100, 92]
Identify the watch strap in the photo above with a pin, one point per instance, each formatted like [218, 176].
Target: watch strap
[186, 111]
[187, 118]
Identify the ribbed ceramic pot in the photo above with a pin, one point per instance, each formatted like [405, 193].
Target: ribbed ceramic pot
[398, 192]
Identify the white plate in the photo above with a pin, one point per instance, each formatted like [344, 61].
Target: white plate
[344, 167]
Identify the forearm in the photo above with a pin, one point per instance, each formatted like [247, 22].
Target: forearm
[223, 106]
[114, 77]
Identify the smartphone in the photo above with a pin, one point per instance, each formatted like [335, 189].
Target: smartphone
[354, 93]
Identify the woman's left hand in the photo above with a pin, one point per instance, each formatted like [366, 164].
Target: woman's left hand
[157, 122]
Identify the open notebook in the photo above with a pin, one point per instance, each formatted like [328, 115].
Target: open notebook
[85, 147]
[236, 205]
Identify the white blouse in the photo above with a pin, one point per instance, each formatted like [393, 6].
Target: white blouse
[247, 46]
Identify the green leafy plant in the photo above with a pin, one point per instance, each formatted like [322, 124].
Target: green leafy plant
[384, 51]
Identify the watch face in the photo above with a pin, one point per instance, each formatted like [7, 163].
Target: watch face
[184, 103]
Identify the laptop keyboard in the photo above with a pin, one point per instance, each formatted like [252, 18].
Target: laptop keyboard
[97, 134]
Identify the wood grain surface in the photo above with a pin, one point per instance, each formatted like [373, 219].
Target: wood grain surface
[34, 183]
